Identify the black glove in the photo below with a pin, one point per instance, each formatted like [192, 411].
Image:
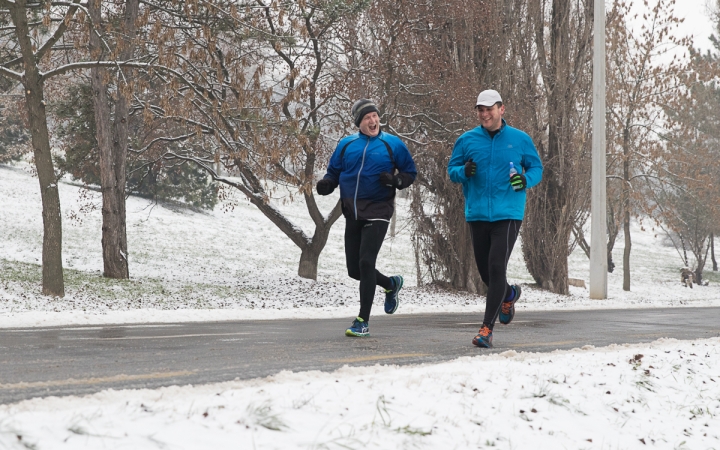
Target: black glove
[518, 182]
[325, 187]
[390, 180]
[470, 168]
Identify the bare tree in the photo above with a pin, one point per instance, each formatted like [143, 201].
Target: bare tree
[424, 62]
[686, 195]
[687, 208]
[47, 42]
[560, 201]
[112, 133]
[31, 49]
[443, 52]
[257, 87]
[641, 87]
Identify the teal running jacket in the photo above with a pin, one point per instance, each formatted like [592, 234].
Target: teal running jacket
[488, 194]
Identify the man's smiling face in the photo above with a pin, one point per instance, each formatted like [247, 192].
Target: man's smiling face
[490, 117]
[370, 124]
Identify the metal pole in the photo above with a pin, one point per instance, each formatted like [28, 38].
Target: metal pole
[598, 227]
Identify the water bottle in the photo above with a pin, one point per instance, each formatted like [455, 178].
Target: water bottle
[513, 171]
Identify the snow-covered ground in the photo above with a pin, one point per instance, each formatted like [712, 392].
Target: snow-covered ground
[232, 263]
[663, 395]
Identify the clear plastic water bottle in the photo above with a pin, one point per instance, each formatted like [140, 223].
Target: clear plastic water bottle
[513, 171]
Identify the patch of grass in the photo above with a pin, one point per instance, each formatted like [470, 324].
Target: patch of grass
[264, 416]
[132, 292]
[20, 272]
[382, 409]
[543, 390]
[407, 429]
[713, 277]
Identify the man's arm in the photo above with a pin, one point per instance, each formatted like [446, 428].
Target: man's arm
[331, 180]
[405, 165]
[531, 164]
[335, 165]
[456, 166]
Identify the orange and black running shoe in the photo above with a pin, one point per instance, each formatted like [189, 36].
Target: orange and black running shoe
[484, 337]
[507, 309]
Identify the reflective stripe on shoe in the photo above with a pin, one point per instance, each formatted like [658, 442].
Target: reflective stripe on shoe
[359, 328]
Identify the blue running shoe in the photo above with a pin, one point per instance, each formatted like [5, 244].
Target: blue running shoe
[359, 328]
[392, 299]
[507, 310]
[483, 338]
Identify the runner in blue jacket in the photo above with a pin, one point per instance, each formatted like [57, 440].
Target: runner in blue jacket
[481, 161]
[368, 166]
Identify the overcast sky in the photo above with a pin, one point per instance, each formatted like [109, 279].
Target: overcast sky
[697, 21]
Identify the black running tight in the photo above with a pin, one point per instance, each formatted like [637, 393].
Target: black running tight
[492, 244]
[363, 239]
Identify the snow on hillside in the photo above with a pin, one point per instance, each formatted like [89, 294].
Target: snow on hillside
[232, 263]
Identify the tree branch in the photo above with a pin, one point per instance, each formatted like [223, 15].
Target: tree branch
[10, 73]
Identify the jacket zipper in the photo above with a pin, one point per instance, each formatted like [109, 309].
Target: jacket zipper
[488, 186]
[357, 182]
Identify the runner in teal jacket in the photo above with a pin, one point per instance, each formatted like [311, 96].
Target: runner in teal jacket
[494, 201]
[488, 195]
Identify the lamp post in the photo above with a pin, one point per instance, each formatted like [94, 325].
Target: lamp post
[598, 225]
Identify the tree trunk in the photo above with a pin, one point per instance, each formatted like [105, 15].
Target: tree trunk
[310, 254]
[112, 146]
[612, 230]
[550, 207]
[626, 207]
[310, 247]
[626, 252]
[712, 252]
[120, 140]
[393, 221]
[443, 242]
[309, 259]
[52, 270]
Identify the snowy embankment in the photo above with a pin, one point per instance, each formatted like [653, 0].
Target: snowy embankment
[662, 395]
[232, 263]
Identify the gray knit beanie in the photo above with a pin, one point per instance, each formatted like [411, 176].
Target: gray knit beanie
[360, 108]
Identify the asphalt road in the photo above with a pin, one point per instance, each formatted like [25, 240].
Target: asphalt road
[38, 362]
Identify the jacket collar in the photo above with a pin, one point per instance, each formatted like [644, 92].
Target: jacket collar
[365, 136]
[502, 128]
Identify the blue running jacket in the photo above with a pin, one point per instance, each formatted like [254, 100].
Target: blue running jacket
[488, 195]
[356, 166]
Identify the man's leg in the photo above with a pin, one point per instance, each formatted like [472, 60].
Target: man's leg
[373, 234]
[480, 232]
[503, 235]
[353, 237]
[481, 238]
[353, 234]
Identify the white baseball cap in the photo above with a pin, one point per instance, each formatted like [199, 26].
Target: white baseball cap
[488, 98]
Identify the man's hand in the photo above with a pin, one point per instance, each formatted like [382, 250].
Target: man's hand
[470, 168]
[518, 182]
[325, 187]
[390, 180]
